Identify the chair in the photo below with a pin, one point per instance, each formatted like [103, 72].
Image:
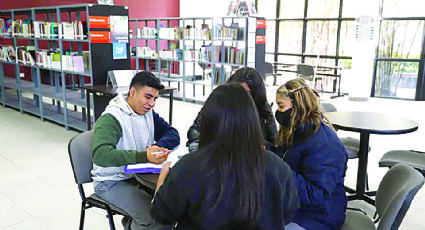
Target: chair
[80, 153]
[269, 71]
[393, 198]
[415, 159]
[308, 73]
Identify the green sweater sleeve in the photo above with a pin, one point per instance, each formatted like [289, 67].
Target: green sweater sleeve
[107, 133]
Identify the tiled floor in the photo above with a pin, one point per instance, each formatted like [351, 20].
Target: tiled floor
[37, 188]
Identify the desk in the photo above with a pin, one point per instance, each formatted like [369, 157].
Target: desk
[109, 92]
[367, 123]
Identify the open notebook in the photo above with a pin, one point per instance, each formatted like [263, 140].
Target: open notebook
[174, 156]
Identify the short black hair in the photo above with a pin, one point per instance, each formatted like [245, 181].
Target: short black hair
[145, 78]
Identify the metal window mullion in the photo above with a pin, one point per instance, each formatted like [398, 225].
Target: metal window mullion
[420, 84]
[277, 30]
[304, 38]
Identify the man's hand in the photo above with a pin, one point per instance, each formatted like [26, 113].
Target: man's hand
[156, 154]
[164, 173]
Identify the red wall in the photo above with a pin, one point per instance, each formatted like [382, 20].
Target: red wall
[137, 9]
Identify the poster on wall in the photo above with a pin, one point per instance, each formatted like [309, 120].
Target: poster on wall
[99, 22]
[119, 29]
[100, 37]
[119, 50]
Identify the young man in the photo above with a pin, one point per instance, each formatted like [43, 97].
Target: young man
[129, 131]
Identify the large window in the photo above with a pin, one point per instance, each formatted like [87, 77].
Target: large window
[322, 32]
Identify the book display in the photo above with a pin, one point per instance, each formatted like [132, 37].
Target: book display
[46, 58]
[191, 52]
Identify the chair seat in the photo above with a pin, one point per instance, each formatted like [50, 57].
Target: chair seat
[352, 146]
[100, 201]
[355, 220]
[408, 157]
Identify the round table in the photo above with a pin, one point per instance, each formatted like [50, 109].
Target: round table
[367, 123]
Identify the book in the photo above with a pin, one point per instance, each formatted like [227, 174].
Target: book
[174, 156]
[78, 63]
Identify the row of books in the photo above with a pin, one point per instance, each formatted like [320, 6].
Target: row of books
[189, 33]
[220, 53]
[63, 30]
[225, 54]
[146, 52]
[26, 55]
[20, 28]
[7, 54]
[40, 29]
[70, 61]
[44, 58]
[146, 33]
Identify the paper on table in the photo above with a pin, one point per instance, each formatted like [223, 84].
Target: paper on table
[156, 168]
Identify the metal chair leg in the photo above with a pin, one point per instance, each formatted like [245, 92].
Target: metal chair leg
[110, 218]
[82, 216]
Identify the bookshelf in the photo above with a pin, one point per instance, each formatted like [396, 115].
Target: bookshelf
[195, 55]
[47, 57]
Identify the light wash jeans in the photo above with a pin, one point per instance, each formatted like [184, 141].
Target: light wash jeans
[293, 226]
[130, 197]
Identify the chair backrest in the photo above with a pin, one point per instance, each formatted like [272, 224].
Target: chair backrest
[328, 107]
[268, 68]
[395, 194]
[80, 149]
[305, 70]
[120, 77]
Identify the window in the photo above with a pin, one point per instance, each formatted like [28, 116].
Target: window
[290, 36]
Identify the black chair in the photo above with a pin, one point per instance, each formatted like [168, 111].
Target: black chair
[308, 72]
[393, 198]
[269, 71]
[80, 153]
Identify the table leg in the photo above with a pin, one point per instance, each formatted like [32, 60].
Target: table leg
[170, 116]
[362, 169]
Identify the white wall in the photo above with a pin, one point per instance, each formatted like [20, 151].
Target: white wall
[203, 8]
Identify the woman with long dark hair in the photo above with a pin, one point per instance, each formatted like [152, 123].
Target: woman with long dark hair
[230, 182]
[252, 81]
[308, 143]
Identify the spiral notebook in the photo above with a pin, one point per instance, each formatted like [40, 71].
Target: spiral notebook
[174, 156]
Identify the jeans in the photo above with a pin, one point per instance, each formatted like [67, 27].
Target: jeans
[293, 226]
[130, 197]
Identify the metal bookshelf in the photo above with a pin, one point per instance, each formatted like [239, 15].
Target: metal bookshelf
[182, 73]
[52, 94]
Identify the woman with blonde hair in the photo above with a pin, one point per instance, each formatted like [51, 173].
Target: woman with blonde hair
[307, 142]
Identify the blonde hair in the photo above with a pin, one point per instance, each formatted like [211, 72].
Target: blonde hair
[306, 109]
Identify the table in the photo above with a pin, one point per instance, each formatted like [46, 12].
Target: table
[102, 94]
[367, 123]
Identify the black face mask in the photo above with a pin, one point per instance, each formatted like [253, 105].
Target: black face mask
[284, 118]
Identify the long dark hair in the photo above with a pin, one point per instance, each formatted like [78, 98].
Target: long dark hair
[255, 82]
[231, 136]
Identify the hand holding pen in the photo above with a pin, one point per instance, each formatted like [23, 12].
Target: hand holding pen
[156, 154]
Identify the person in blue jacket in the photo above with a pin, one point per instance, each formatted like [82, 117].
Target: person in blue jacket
[307, 142]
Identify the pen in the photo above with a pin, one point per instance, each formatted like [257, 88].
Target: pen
[155, 153]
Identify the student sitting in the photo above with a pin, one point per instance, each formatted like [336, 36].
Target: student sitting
[230, 182]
